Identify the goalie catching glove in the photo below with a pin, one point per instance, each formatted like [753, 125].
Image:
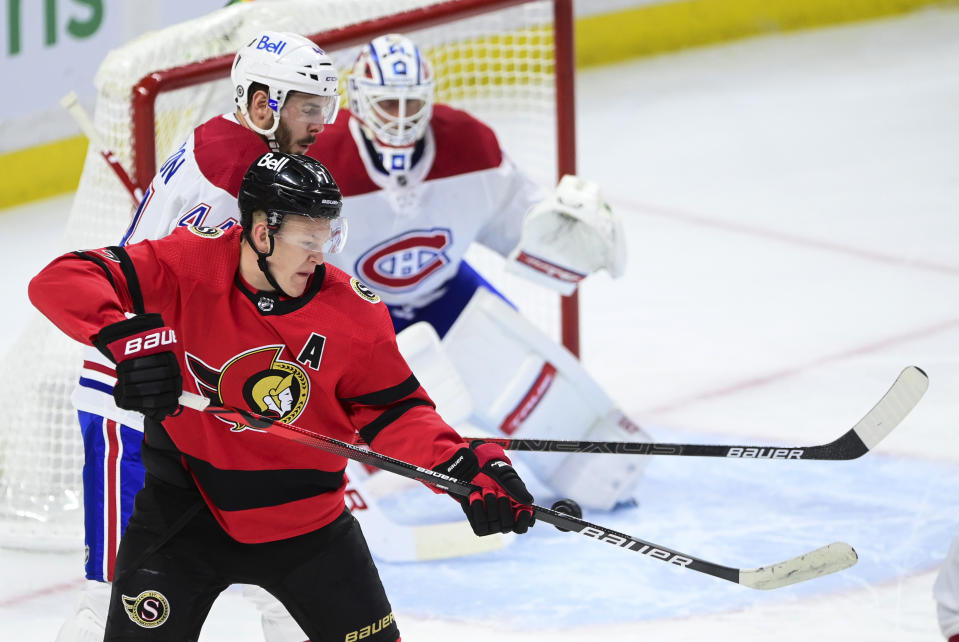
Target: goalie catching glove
[148, 375]
[502, 506]
[568, 236]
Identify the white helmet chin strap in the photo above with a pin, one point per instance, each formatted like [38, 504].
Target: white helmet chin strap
[270, 133]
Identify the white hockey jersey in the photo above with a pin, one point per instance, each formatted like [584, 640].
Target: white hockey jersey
[198, 184]
[408, 234]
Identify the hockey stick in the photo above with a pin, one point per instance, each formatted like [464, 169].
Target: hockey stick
[393, 541]
[821, 561]
[898, 401]
[70, 103]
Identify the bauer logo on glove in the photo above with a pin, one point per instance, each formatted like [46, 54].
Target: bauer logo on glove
[501, 502]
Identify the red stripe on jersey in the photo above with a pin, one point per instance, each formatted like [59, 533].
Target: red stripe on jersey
[112, 496]
[550, 269]
[529, 402]
[99, 367]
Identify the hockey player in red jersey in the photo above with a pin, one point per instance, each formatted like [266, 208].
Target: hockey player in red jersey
[285, 91]
[253, 317]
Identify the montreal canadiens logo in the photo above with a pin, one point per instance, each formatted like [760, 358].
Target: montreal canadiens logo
[256, 379]
[404, 261]
[149, 609]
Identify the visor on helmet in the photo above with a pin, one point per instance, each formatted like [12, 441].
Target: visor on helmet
[320, 235]
[314, 110]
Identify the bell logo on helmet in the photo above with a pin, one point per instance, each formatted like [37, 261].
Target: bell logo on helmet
[272, 47]
[276, 164]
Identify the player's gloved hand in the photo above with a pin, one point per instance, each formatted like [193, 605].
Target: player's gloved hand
[569, 235]
[148, 375]
[502, 504]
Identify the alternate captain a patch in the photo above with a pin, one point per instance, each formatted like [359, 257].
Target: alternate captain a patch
[205, 232]
[364, 292]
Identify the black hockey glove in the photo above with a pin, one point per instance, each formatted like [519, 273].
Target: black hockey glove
[503, 503]
[148, 375]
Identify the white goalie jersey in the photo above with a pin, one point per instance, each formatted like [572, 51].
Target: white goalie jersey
[409, 233]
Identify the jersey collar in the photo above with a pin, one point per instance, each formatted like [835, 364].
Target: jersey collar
[271, 303]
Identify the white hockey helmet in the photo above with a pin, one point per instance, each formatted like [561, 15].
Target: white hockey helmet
[284, 62]
[390, 91]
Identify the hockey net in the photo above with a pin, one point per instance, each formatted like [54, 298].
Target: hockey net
[508, 63]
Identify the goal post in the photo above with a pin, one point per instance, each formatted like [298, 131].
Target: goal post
[508, 62]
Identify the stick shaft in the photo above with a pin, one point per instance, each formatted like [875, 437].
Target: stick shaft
[889, 411]
[797, 569]
[73, 106]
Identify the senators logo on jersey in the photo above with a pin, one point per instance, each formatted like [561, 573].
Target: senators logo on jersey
[256, 379]
[364, 292]
[205, 232]
[404, 261]
[149, 609]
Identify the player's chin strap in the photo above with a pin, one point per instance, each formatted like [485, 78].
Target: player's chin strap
[268, 134]
[261, 261]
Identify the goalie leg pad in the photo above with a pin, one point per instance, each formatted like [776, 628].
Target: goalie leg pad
[278, 624]
[393, 541]
[601, 481]
[525, 385]
[89, 621]
[420, 346]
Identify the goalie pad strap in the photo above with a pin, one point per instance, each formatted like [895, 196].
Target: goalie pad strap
[530, 400]
[551, 270]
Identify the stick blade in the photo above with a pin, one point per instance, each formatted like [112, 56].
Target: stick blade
[898, 402]
[68, 101]
[822, 561]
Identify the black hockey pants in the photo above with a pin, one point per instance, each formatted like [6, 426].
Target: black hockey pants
[174, 559]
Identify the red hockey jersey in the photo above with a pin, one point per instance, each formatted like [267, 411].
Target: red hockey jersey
[326, 360]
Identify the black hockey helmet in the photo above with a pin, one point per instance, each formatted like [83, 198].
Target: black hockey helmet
[281, 184]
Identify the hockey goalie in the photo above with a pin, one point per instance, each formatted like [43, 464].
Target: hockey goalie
[422, 181]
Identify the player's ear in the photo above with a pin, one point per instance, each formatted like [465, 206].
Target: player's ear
[261, 235]
[260, 110]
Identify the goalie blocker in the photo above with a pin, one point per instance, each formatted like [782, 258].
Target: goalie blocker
[524, 385]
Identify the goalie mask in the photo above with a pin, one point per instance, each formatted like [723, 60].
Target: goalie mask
[284, 62]
[284, 185]
[391, 94]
